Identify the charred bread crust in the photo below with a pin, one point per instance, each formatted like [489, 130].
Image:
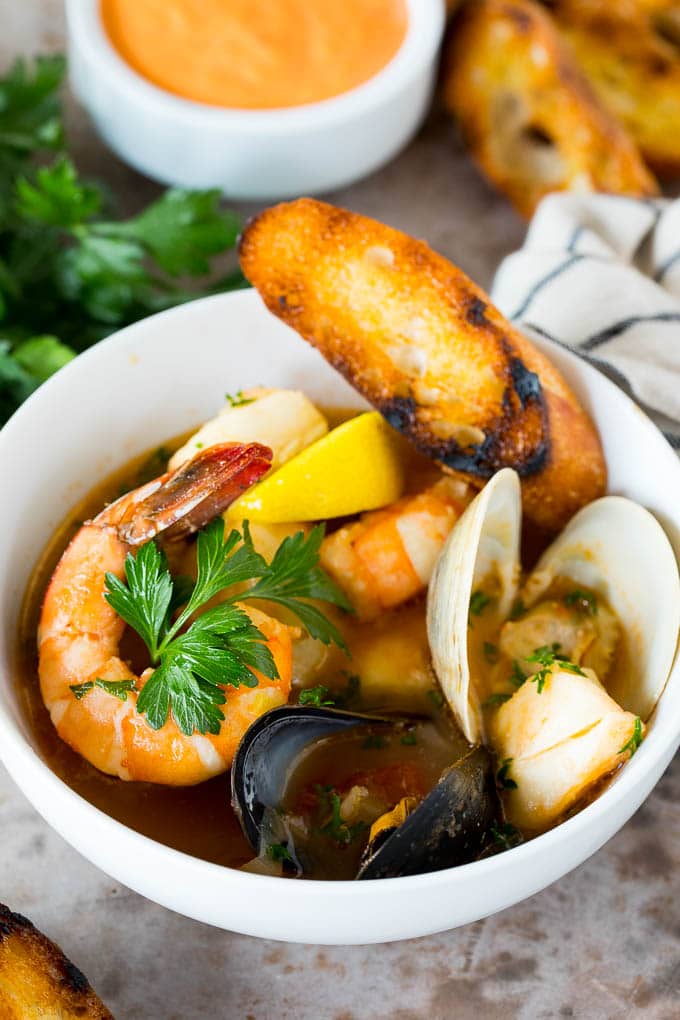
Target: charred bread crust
[527, 111]
[631, 54]
[426, 347]
[37, 980]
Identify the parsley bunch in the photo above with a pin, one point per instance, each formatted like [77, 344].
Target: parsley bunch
[221, 647]
[69, 273]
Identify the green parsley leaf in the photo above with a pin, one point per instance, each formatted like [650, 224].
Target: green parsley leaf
[237, 399]
[375, 742]
[506, 836]
[409, 739]
[584, 600]
[518, 609]
[436, 697]
[42, 356]
[517, 677]
[635, 739]
[547, 656]
[491, 653]
[333, 824]
[496, 699]
[279, 852]
[478, 602]
[118, 688]
[349, 694]
[503, 777]
[143, 602]
[57, 198]
[317, 696]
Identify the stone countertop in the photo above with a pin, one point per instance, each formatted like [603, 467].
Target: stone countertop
[603, 942]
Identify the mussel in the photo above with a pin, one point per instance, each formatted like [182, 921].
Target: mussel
[557, 726]
[449, 826]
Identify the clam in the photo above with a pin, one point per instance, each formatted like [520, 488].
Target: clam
[483, 550]
[449, 826]
[590, 650]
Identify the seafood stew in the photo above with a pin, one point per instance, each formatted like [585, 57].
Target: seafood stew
[348, 628]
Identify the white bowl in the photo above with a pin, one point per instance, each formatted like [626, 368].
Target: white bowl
[255, 154]
[157, 379]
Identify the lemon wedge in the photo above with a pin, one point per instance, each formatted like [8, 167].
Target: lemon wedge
[355, 467]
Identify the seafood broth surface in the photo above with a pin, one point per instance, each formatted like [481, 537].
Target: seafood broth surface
[159, 812]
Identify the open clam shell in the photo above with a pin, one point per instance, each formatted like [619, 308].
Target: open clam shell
[482, 549]
[617, 549]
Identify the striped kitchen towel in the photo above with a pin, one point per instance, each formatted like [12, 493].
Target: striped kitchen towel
[601, 274]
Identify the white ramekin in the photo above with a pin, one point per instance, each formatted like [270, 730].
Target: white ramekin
[254, 154]
[159, 378]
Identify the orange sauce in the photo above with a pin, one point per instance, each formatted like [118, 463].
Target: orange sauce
[256, 54]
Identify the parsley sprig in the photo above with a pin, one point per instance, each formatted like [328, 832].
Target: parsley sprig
[333, 824]
[195, 661]
[70, 271]
[635, 739]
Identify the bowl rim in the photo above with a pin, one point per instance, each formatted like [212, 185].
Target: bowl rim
[426, 22]
[18, 754]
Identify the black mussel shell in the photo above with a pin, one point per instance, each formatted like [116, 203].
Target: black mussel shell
[268, 748]
[449, 827]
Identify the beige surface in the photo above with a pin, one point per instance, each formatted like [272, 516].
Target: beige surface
[604, 942]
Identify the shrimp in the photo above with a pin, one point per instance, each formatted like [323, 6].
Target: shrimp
[79, 633]
[387, 557]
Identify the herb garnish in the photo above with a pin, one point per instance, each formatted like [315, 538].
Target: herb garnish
[409, 739]
[547, 656]
[517, 677]
[583, 600]
[518, 609]
[478, 602]
[119, 688]
[436, 697]
[317, 696]
[506, 836]
[635, 739]
[502, 776]
[69, 272]
[491, 653]
[496, 699]
[330, 803]
[222, 646]
[279, 852]
[350, 692]
[375, 742]
[237, 399]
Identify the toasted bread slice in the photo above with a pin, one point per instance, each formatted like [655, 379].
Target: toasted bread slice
[424, 345]
[36, 979]
[631, 54]
[527, 111]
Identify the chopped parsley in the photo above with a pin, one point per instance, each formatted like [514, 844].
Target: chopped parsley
[436, 697]
[237, 399]
[585, 601]
[118, 688]
[635, 739]
[518, 609]
[478, 602]
[517, 677]
[503, 775]
[409, 739]
[548, 656]
[350, 692]
[333, 824]
[279, 852]
[496, 699]
[317, 696]
[491, 653]
[222, 646]
[375, 742]
[506, 836]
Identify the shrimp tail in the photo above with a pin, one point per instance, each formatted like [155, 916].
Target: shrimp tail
[198, 491]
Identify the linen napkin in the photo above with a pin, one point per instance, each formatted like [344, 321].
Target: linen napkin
[601, 274]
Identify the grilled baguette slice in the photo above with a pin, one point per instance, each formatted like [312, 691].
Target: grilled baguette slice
[527, 111]
[424, 345]
[36, 979]
[630, 51]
